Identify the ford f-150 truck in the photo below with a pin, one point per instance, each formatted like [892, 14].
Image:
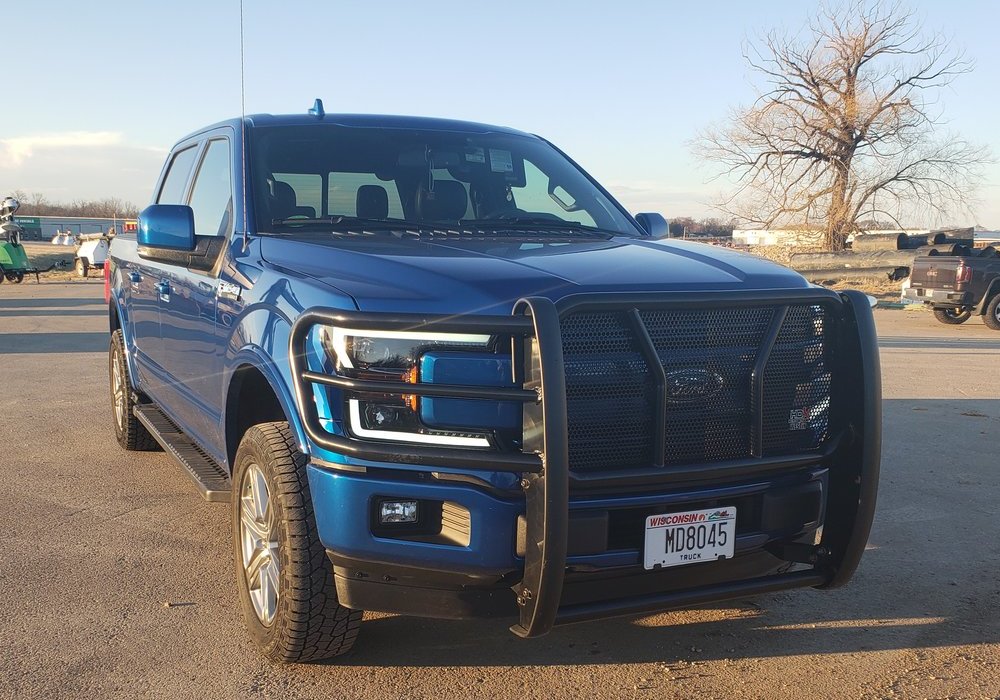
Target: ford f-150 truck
[438, 370]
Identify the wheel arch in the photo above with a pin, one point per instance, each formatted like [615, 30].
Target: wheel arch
[118, 320]
[991, 291]
[254, 375]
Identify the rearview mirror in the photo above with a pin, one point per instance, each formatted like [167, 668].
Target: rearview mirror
[654, 224]
[167, 226]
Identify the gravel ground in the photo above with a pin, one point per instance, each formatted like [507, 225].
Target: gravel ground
[120, 581]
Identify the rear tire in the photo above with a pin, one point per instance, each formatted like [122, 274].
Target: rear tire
[284, 577]
[18, 278]
[992, 316]
[131, 434]
[952, 316]
[82, 267]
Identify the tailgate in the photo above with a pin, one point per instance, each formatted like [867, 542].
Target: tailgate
[934, 272]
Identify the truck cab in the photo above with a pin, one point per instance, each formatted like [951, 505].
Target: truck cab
[438, 370]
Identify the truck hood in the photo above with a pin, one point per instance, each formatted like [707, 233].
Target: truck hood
[489, 275]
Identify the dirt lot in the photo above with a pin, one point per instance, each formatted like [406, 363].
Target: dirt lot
[119, 582]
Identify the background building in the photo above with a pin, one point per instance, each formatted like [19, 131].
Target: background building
[46, 227]
[801, 237]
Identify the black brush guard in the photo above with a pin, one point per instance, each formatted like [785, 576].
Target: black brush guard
[853, 454]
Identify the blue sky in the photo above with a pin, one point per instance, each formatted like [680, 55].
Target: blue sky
[102, 89]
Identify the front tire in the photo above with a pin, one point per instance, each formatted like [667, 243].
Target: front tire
[284, 577]
[953, 316]
[992, 316]
[131, 434]
[82, 267]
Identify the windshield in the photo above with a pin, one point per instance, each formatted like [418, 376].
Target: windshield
[323, 177]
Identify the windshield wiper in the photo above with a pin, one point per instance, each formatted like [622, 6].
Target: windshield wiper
[531, 222]
[346, 221]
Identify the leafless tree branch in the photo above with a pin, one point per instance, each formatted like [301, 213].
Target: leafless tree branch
[845, 124]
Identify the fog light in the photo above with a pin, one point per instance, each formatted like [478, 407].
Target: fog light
[398, 512]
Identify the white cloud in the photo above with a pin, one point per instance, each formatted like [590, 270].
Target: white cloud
[17, 150]
[70, 165]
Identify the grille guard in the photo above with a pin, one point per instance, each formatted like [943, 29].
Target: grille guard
[854, 455]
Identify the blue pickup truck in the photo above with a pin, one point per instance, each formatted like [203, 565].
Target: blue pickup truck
[438, 370]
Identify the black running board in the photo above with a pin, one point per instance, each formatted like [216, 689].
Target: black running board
[210, 478]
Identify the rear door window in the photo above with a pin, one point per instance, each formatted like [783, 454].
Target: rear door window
[212, 194]
[172, 191]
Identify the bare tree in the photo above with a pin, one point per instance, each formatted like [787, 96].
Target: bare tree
[37, 204]
[846, 126]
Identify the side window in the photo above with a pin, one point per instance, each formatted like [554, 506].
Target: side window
[173, 184]
[212, 195]
[534, 197]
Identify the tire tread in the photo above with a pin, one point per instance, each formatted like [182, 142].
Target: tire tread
[312, 625]
[134, 436]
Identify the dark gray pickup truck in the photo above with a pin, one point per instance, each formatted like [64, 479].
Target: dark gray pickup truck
[958, 286]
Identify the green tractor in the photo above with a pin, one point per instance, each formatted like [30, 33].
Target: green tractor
[13, 258]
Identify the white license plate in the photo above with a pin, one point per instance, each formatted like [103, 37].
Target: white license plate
[675, 539]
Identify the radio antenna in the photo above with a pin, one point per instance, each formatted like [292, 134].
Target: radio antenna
[243, 134]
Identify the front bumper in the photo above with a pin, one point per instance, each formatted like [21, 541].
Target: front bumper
[780, 517]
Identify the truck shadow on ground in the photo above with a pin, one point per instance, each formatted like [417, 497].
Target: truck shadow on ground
[786, 624]
[942, 343]
[927, 580]
[54, 303]
[54, 313]
[33, 343]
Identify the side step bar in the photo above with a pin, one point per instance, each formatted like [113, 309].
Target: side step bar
[210, 478]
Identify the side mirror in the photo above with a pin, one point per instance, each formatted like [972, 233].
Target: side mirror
[654, 224]
[167, 226]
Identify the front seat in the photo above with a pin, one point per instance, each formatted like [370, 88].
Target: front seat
[283, 203]
[446, 200]
[372, 202]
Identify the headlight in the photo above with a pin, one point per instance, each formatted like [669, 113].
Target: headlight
[391, 352]
[394, 356]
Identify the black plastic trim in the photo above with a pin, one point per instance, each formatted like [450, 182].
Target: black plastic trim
[656, 368]
[757, 378]
[546, 493]
[441, 390]
[854, 481]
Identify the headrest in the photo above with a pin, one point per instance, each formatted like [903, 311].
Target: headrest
[372, 202]
[282, 199]
[448, 201]
[284, 203]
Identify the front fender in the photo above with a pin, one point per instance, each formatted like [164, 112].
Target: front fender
[118, 307]
[255, 356]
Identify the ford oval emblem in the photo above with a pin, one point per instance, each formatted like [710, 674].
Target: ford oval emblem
[684, 385]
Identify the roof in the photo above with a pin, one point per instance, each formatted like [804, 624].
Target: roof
[371, 121]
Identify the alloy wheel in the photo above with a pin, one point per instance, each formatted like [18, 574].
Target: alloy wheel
[259, 544]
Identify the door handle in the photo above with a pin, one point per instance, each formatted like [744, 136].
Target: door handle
[163, 288]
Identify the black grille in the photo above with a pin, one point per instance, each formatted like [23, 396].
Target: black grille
[605, 372]
[708, 357]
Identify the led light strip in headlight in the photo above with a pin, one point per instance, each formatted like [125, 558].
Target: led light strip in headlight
[354, 408]
[397, 359]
